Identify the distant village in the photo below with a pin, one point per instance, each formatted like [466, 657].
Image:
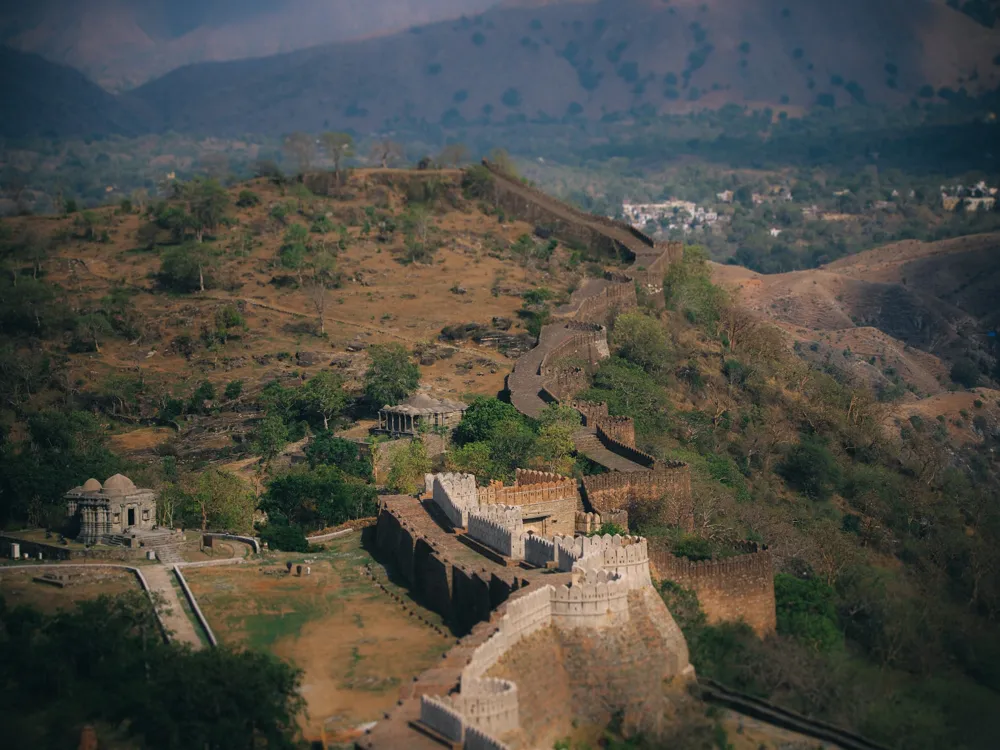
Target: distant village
[979, 197]
[687, 217]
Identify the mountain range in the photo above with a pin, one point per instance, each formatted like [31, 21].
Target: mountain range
[121, 44]
[531, 60]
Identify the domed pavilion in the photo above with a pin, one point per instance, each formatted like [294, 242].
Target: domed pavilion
[116, 507]
[419, 412]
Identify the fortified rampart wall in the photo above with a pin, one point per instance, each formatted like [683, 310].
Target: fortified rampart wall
[618, 431]
[461, 595]
[589, 347]
[613, 298]
[455, 494]
[592, 411]
[587, 523]
[729, 589]
[626, 490]
[507, 540]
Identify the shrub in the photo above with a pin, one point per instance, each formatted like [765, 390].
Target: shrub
[247, 199]
[806, 611]
[282, 536]
[234, 389]
[965, 373]
[810, 468]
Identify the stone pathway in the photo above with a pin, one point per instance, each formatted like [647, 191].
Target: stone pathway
[161, 580]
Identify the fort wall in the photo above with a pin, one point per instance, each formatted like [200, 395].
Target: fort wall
[729, 589]
[616, 446]
[442, 718]
[507, 540]
[455, 494]
[618, 431]
[588, 346]
[587, 523]
[627, 490]
[461, 596]
[539, 551]
[592, 411]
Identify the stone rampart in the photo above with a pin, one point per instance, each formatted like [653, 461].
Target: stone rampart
[442, 718]
[525, 477]
[462, 596]
[617, 430]
[455, 494]
[507, 540]
[628, 490]
[588, 347]
[598, 601]
[616, 446]
[729, 589]
[476, 739]
[591, 411]
[614, 297]
[588, 523]
[492, 706]
[539, 551]
[563, 384]
[566, 222]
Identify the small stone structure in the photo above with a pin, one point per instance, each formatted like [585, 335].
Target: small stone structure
[419, 412]
[114, 508]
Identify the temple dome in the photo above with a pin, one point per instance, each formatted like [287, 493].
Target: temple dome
[119, 484]
[91, 485]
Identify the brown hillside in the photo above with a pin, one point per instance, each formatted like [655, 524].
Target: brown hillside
[911, 307]
[592, 58]
[471, 278]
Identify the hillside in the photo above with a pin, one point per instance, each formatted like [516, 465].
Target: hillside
[46, 99]
[121, 44]
[546, 61]
[222, 335]
[916, 307]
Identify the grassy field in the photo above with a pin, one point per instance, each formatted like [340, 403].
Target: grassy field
[354, 644]
[18, 587]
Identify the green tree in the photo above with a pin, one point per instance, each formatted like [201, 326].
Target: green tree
[114, 669]
[407, 468]
[187, 268]
[318, 497]
[324, 395]
[207, 203]
[226, 502]
[642, 341]
[391, 376]
[270, 438]
[811, 469]
[328, 449]
[481, 418]
[93, 327]
[301, 147]
[807, 611]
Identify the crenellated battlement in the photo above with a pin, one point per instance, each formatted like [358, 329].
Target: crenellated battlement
[730, 588]
[625, 490]
[618, 431]
[524, 477]
[587, 523]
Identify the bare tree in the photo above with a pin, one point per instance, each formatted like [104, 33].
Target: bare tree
[454, 154]
[386, 152]
[322, 278]
[338, 146]
[302, 148]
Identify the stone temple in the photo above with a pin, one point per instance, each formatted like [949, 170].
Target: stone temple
[114, 508]
[419, 412]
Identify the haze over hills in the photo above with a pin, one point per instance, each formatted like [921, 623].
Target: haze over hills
[123, 43]
[591, 59]
[519, 61]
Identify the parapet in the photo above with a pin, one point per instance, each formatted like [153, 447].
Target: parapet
[729, 589]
